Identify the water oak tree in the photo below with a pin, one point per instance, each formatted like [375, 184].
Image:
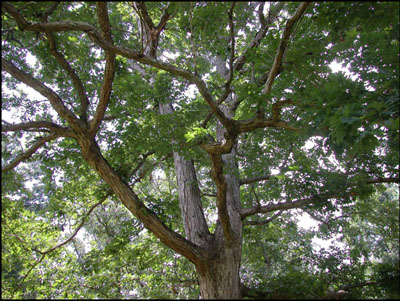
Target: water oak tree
[234, 101]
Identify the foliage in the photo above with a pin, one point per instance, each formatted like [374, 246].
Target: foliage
[344, 146]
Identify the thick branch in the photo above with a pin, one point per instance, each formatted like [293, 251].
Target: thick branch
[129, 198]
[26, 155]
[109, 69]
[283, 45]
[143, 14]
[26, 126]
[54, 99]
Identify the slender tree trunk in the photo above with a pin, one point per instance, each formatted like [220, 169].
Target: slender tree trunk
[194, 222]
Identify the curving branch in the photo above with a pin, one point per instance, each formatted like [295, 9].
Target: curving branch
[54, 99]
[44, 253]
[109, 72]
[38, 125]
[283, 45]
[72, 74]
[77, 228]
[26, 155]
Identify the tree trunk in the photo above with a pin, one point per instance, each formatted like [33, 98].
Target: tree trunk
[218, 274]
[194, 222]
[219, 277]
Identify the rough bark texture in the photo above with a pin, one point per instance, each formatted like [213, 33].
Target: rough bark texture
[219, 277]
[194, 222]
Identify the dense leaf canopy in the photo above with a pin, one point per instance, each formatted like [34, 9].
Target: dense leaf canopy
[306, 140]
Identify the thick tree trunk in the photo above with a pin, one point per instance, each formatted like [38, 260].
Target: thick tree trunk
[219, 277]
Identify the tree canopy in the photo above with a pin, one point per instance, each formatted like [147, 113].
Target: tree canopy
[168, 142]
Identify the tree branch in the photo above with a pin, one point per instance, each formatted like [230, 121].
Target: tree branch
[72, 74]
[26, 155]
[263, 222]
[383, 180]
[219, 179]
[44, 253]
[54, 99]
[92, 154]
[50, 10]
[78, 228]
[259, 36]
[39, 125]
[283, 45]
[109, 72]
[259, 122]
[232, 52]
[255, 179]
[244, 212]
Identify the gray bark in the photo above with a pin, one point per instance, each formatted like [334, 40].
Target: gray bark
[194, 222]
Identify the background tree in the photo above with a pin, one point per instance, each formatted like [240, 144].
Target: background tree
[211, 124]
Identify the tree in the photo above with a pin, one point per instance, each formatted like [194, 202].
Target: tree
[219, 97]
